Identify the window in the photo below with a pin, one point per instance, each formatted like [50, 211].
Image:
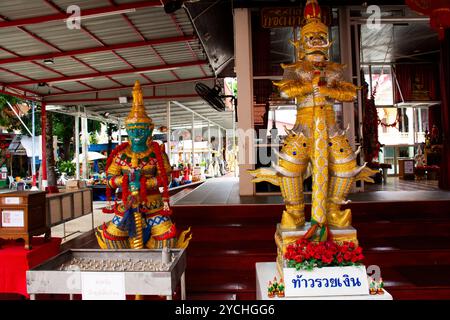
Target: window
[379, 78]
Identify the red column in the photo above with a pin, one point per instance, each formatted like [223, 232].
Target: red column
[43, 146]
[444, 180]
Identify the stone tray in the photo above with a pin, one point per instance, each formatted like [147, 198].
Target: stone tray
[48, 279]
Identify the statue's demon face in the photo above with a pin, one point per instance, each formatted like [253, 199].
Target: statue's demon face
[138, 134]
[316, 44]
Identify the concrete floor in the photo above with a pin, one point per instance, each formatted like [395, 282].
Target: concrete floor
[78, 226]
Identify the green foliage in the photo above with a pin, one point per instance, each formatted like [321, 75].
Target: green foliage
[66, 166]
[93, 139]
[10, 122]
[63, 126]
[94, 125]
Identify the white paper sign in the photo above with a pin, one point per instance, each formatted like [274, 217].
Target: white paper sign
[327, 281]
[409, 167]
[103, 286]
[12, 200]
[13, 218]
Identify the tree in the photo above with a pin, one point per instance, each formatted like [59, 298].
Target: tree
[110, 128]
[51, 173]
[63, 128]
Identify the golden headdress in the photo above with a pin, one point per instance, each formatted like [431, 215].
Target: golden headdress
[312, 16]
[137, 114]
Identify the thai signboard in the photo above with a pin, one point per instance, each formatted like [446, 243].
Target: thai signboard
[282, 17]
[327, 281]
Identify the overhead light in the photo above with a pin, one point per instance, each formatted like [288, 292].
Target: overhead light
[123, 100]
[49, 61]
[158, 70]
[106, 114]
[42, 84]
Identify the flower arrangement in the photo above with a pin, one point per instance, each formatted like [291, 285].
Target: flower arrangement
[307, 255]
[275, 288]
[376, 287]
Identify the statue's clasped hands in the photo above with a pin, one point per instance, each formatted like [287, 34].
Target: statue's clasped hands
[134, 177]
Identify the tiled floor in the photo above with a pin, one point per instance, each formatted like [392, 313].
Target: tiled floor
[226, 191]
[396, 184]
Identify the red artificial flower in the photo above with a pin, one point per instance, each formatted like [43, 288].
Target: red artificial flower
[327, 253]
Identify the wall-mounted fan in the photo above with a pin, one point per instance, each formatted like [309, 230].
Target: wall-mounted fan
[212, 96]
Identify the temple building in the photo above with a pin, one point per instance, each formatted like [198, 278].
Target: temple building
[231, 134]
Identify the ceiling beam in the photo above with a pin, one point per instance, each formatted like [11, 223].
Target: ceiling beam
[93, 100]
[155, 84]
[195, 113]
[119, 46]
[111, 73]
[181, 32]
[88, 13]
[140, 35]
[23, 95]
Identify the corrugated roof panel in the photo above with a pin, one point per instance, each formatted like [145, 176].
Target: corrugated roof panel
[4, 54]
[40, 90]
[128, 79]
[140, 57]
[104, 61]
[84, 4]
[69, 97]
[178, 52]
[30, 70]
[183, 21]
[57, 34]
[101, 83]
[20, 43]
[208, 69]
[189, 72]
[9, 77]
[68, 66]
[125, 1]
[182, 88]
[154, 23]
[71, 86]
[19, 9]
[111, 29]
[162, 76]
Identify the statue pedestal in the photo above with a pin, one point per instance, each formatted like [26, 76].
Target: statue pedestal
[265, 271]
[285, 237]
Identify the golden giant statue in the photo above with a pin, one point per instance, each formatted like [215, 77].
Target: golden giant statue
[315, 140]
[139, 167]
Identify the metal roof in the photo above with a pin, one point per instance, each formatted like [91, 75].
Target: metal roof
[119, 41]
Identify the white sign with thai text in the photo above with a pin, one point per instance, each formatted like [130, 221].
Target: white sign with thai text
[409, 167]
[13, 219]
[327, 281]
[103, 286]
[12, 200]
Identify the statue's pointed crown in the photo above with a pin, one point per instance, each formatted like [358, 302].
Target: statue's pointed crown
[312, 18]
[137, 113]
[312, 10]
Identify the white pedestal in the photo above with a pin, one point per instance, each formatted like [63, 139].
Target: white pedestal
[266, 271]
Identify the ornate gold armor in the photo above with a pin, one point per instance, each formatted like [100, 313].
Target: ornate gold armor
[315, 140]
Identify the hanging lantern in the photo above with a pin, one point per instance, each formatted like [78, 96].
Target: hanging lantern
[437, 10]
